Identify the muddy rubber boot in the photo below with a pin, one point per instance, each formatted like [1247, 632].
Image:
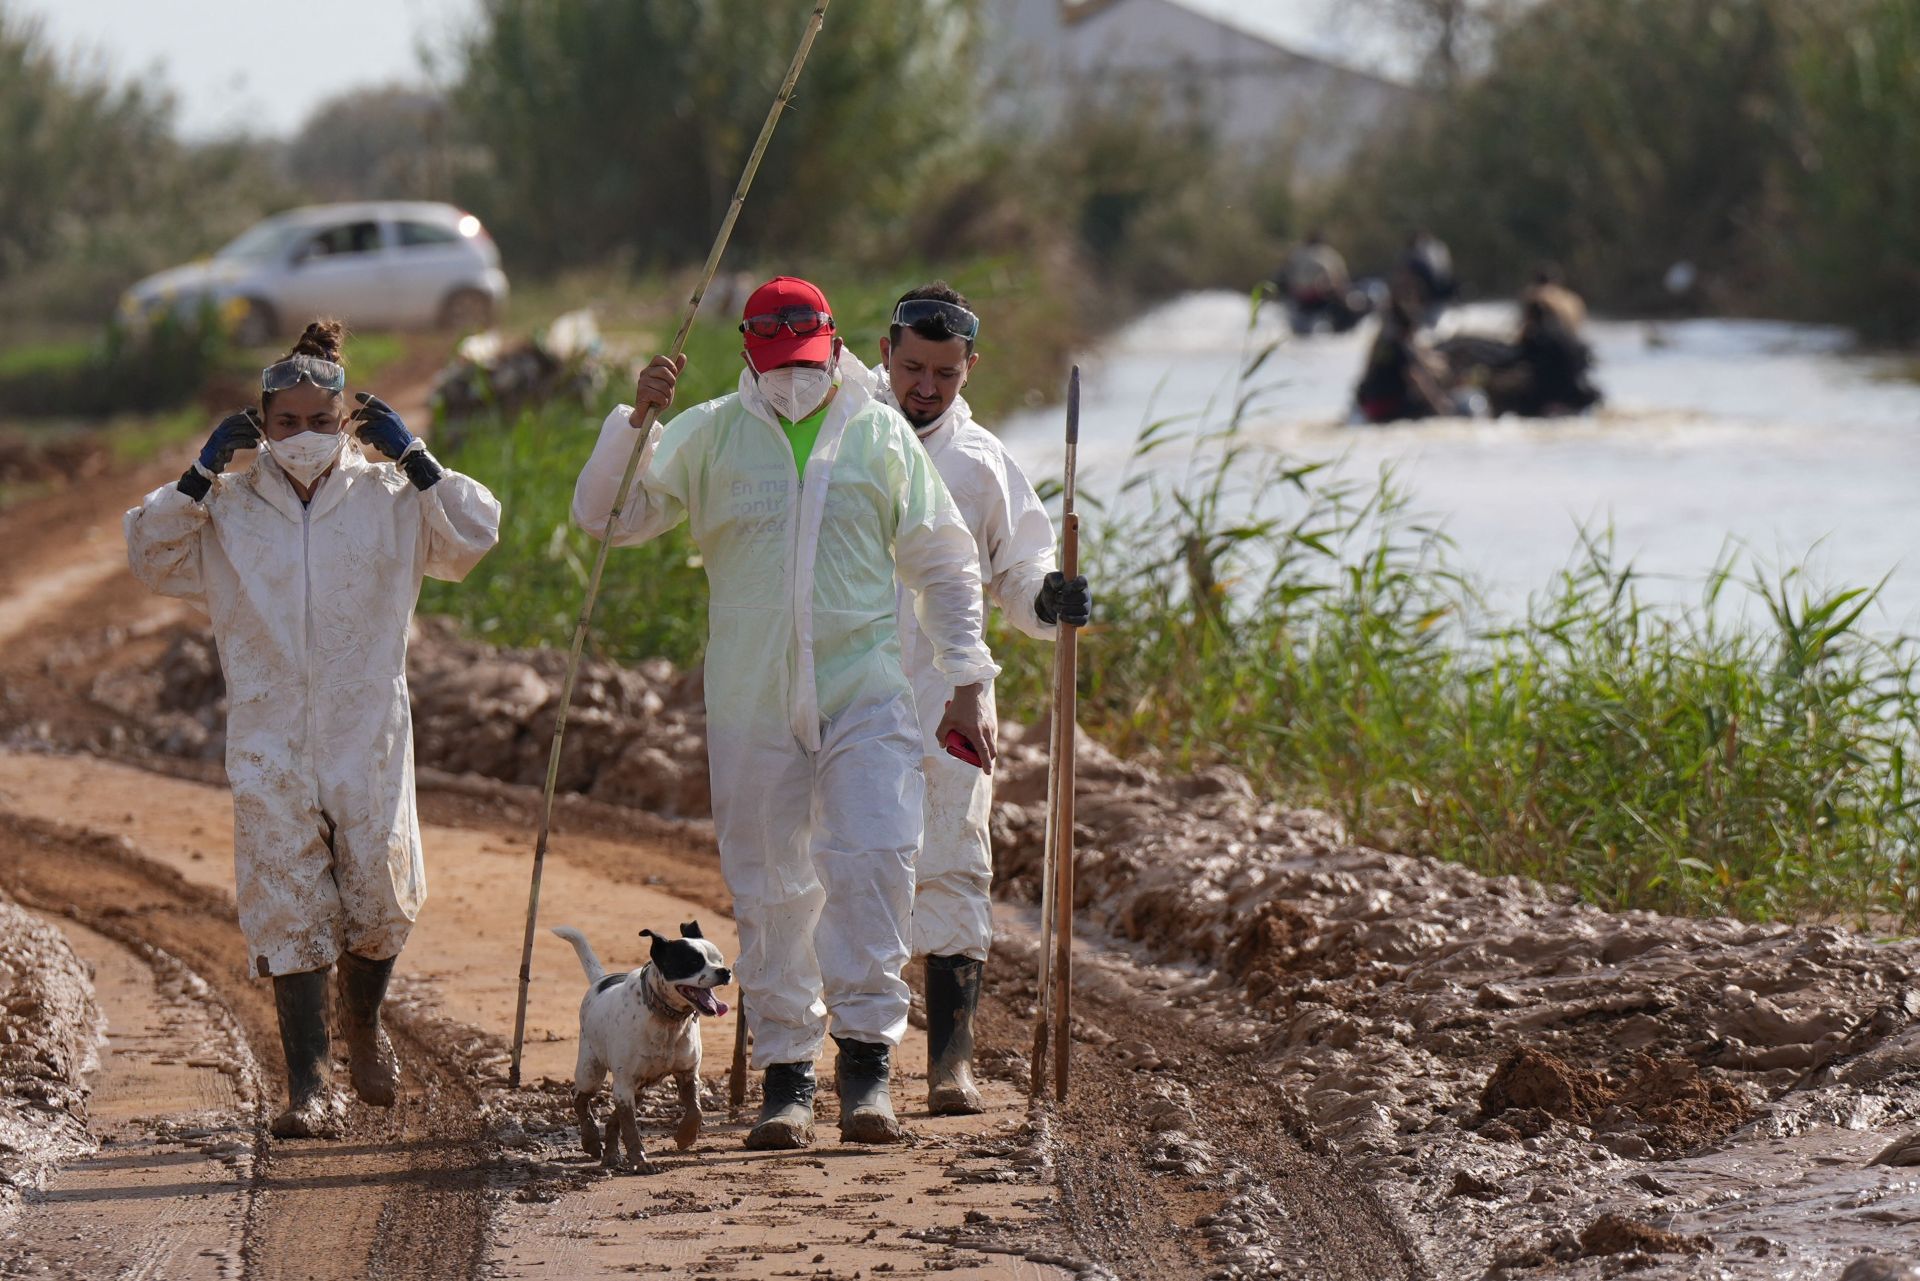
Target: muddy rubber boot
[370, 1059]
[786, 1109]
[953, 994]
[866, 1110]
[312, 1112]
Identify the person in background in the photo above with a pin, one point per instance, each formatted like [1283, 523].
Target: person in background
[1427, 267]
[1403, 379]
[1316, 287]
[925, 361]
[309, 564]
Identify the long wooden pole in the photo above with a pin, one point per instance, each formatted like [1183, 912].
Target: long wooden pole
[1052, 1035]
[737, 1077]
[643, 427]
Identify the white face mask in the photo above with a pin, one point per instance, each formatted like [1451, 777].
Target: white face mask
[306, 456]
[796, 391]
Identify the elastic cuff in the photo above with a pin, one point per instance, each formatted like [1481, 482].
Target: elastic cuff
[420, 467]
[194, 483]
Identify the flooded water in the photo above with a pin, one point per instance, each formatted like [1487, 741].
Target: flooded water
[1772, 440]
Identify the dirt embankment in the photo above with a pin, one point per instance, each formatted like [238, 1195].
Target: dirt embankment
[1512, 1065]
[49, 1025]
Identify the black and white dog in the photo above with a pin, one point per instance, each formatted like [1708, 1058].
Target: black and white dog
[641, 1026]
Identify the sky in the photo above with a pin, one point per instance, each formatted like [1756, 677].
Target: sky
[259, 66]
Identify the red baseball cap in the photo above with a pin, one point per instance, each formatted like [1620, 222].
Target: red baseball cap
[786, 346]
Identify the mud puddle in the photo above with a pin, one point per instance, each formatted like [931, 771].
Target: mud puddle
[405, 1195]
[49, 1023]
[168, 1190]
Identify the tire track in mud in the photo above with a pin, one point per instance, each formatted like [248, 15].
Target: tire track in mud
[405, 1194]
[1177, 1159]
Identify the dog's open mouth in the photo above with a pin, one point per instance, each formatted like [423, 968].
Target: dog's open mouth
[703, 1000]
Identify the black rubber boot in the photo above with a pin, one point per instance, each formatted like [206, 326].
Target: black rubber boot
[860, 1073]
[370, 1058]
[953, 994]
[786, 1108]
[312, 1112]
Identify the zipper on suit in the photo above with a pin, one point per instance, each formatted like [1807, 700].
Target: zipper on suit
[306, 582]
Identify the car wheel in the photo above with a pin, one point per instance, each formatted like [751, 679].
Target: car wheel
[466, 311]
[256, 326]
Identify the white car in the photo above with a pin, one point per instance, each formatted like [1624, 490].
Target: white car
[388, 264]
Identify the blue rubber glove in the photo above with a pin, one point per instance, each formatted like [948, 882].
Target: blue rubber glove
[238, 430]
[1064, 600]
[380, 427]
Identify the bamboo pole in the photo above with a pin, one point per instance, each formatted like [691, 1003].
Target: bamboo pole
[643, 427]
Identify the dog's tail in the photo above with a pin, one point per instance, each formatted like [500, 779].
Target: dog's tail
[584, 950]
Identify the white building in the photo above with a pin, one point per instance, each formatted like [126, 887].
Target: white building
[1258, 93]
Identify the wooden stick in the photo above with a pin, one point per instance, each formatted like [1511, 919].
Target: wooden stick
[1066, 703]
[737, 1083]
[1053, 1026]
[642, 428]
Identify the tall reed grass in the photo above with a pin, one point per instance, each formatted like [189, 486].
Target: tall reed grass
[1749, 753]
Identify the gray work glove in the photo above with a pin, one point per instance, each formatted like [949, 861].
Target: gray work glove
[1064, 600]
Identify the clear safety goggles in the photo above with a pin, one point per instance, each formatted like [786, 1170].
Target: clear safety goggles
[798, 321]
[920, 314]
[323, 374]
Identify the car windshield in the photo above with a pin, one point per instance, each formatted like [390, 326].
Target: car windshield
[262, 240]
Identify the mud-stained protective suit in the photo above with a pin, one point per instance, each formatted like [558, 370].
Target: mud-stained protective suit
[953, 879]
[811, 733]
[310, 607]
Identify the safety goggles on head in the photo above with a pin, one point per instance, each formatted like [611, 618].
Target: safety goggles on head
[323, 374]
[921, 314]
[798, 321]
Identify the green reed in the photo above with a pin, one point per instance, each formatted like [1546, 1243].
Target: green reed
[1741, 756]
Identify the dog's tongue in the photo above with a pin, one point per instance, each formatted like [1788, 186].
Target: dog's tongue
[705, 1001]
[719, 1006]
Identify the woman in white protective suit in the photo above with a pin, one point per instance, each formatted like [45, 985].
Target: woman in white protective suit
[806, 497]
[309, 563]
[925, 360]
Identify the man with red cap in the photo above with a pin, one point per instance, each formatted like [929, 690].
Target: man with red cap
[807, 499]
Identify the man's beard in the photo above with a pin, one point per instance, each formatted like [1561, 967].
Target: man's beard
[918, 421]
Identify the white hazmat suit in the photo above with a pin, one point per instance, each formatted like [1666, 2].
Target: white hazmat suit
[812, 737]
[310, 606]
[1013, 535]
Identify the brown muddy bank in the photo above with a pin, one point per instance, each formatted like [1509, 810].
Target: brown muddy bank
[1538, 1086]
[49, 1026]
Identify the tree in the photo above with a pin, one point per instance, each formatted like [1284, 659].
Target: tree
[617, 126]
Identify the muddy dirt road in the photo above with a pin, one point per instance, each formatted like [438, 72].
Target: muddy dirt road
[1293, 1057]
[129, 852]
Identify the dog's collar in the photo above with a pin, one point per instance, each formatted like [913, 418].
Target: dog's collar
[656, 1002]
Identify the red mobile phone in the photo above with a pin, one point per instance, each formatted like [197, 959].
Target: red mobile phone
[958, 746]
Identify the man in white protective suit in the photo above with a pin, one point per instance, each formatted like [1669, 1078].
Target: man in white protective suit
[926, 358]
[309, 563]
[807, 499]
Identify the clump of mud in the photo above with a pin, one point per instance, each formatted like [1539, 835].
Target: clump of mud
[63, 459]
[636, 736]
[49, 1026]
[1669, 1103]
[1616, 1234]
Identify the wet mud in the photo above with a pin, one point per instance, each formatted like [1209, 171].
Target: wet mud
[407, 1194]
[49, 1024]
[1486, 1077]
